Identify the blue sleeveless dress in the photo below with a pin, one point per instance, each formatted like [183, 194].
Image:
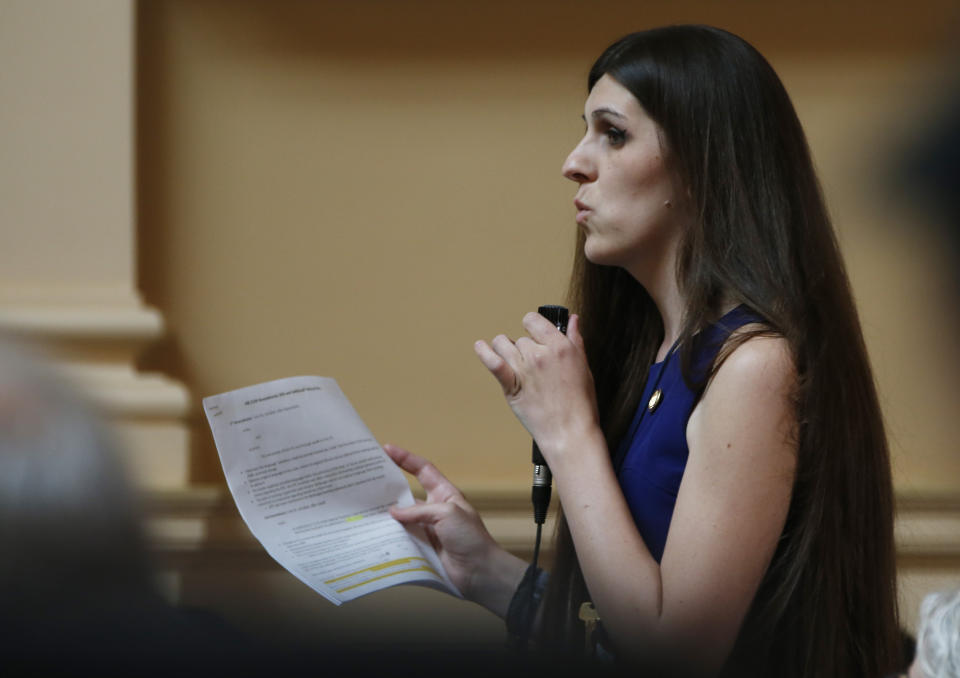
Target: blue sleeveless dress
[651, 458]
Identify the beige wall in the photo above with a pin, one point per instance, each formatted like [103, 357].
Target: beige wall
[361, 190]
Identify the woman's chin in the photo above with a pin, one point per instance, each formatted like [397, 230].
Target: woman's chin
[597, 254]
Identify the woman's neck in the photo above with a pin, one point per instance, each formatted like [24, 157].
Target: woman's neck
[658, 275]
[664, 289]
[671, 304]
[656, 269]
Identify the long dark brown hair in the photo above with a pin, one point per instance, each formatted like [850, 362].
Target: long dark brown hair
[759, 233]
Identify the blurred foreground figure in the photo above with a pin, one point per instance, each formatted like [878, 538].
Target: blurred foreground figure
[76, 592]
[67, 515]
[938, 637]
[929, 168]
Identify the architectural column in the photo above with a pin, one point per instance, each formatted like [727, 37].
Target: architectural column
[67, 205]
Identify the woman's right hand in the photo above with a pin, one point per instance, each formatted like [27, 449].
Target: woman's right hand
[480, 568]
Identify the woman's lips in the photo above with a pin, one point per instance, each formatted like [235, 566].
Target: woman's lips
[582, 211]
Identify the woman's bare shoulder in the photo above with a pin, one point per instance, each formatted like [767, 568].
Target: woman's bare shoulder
[762, 358]
[752, 390]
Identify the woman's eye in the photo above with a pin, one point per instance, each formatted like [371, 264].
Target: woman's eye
[616, 136]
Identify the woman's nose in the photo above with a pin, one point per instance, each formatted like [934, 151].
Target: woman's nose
[578, 167]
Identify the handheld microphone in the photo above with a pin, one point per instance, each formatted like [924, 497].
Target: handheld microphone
[542, 478]
[540, 494]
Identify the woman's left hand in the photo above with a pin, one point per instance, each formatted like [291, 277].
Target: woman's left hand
[546, 381]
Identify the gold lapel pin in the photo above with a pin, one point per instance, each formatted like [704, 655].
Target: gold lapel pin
[654, 400]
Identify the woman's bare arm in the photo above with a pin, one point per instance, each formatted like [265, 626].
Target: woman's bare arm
[730, 509]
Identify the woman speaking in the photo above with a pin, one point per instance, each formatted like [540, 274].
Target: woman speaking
[710, 418]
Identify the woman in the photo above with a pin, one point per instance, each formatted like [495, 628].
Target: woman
[710, 419]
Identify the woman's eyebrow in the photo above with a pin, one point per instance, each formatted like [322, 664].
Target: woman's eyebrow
[602, 111]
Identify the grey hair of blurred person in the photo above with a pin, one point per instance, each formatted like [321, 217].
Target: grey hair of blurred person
[938, 636]
[69, 519]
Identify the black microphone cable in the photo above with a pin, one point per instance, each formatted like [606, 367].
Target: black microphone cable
[542, 479]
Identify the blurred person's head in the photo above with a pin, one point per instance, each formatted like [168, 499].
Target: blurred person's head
[938, 637]
[68, 520]
[926, 168]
